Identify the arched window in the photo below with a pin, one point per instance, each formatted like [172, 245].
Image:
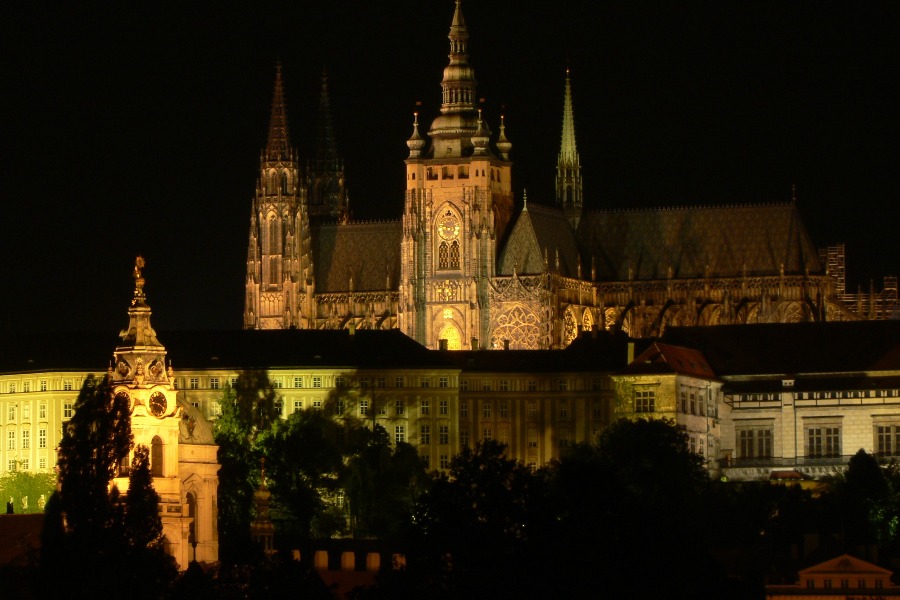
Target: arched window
[284, 183]
[454, 255]
[192, 513]
[156, 457]
[444, 256]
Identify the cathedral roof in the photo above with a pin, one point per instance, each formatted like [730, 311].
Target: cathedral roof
[696, 242]
[367, 253]
[794, 348]
[539, 231]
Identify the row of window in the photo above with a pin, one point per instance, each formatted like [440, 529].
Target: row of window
[11, 438]
[839, 395]
[820, 441]
[531, 385]
[42, 385]
[424, 434]
[23, 464]
[12, 411]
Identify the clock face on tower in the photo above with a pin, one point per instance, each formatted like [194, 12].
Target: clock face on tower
[448, 228]
[157, 404]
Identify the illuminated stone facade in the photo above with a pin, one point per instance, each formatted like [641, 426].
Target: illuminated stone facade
[773, 401]
[467, 268]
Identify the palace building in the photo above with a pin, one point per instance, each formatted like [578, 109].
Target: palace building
[464, 268]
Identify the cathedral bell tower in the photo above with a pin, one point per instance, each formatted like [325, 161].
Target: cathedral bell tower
[458, 204]
[278, 263]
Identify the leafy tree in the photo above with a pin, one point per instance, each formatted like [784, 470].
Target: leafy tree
[304, 460]
[34, 488]
[382, 484]
[94, 442]
[93, 540]
[143, 525]
[865, 502]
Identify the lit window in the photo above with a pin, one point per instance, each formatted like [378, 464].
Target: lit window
[195, 383]
[43, 385]
[754, 442]
[823, 442]
[363, 408]
[42, 410]
[298, 382]
[317, 381]
[214, 383]
[443, 410]
[399, 433]
[26, 440]
[11, 440]
[42, 438]
[42, 462]
[67, 385]
[11, 465]
[645, 401]
[887, 440]
[426, 407]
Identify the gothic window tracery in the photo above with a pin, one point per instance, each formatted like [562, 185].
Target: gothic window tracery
[443, 256]
[521, 326]
[570, 329]
[454, 255]
[587, 321]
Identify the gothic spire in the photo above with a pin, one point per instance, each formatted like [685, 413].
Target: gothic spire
[568, 168]
[279, 145]
[326, 144]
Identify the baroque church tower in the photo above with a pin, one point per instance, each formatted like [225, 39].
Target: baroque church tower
[568, 167]
[459, 201]
[183, 454]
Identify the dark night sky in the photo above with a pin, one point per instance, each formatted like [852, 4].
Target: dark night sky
[136, 127]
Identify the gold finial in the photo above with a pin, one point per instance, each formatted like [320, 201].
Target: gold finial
[138, 278]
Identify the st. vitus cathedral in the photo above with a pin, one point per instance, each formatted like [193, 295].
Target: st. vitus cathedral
[463, 268]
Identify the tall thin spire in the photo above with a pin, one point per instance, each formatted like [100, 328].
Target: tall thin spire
[326, 144]
[568, 168]
[279, 145]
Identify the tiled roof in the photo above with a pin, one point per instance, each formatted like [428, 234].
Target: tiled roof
[794, 348]
[694, 241]
[666, 358]
[367, 252]
[538, 230]
[235, 349]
